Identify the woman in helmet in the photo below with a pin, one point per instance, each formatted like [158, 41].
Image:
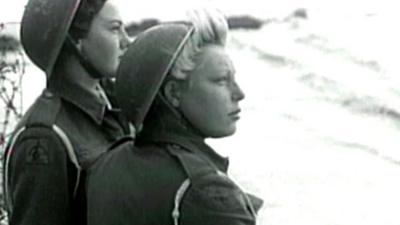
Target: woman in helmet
[77, 43]
[176, 82]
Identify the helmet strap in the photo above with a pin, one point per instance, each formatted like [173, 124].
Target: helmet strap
[179, 114]
[83, 60]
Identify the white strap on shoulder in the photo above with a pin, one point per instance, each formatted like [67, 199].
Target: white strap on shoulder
[178, 198]
[7, 164]
[71, 154]
[70, 151]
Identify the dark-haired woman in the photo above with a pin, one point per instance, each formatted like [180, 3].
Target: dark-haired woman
[77, 43]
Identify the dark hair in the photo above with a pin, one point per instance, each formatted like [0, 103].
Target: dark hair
[79, 28]
[87, 10]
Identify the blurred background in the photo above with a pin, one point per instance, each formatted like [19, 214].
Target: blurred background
[319, 135]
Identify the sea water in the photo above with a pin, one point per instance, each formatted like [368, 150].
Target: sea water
[319, 135]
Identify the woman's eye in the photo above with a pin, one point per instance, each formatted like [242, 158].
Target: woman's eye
[116, 28]
[222, 80]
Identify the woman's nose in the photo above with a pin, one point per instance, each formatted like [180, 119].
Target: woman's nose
[125, 40]
[238, 93]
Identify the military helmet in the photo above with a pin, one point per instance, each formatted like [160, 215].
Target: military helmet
[44, 28]
[145, 65]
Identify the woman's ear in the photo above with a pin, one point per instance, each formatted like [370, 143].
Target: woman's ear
[172, 92]
[75, 43]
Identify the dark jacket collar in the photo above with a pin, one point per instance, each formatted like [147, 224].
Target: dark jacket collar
[88, 102]
[164, 126]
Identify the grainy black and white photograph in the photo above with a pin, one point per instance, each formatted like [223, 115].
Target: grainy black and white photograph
[118, 112]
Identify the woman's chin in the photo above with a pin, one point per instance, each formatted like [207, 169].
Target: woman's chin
[223, 133]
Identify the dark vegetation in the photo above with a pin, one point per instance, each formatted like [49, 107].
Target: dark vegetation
[11, 72]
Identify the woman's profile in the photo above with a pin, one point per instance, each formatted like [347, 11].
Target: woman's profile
[176, 84]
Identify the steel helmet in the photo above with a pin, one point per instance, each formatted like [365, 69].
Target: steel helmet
[144, 66]
[44, 28]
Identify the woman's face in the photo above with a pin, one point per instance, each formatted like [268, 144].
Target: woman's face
[106, 41]
[210, 101]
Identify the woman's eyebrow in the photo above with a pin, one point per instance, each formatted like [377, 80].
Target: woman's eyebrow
[115, 21]
[230, 70]
[233, 71]
[110, 20]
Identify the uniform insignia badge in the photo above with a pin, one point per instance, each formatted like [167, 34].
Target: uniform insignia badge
[220, 198]
[37, 154]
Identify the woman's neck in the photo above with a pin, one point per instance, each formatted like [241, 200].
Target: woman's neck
[164, 118]
[77, 74]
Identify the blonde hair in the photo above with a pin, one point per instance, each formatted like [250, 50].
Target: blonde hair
[210, 28]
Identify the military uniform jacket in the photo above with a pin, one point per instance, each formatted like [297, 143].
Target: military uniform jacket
[171, 177]
[58, 138]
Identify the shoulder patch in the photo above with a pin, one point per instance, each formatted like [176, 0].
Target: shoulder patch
[217, 193]
[219, 198]
[37, 153]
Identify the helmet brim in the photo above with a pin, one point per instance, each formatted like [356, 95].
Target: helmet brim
[44, 27]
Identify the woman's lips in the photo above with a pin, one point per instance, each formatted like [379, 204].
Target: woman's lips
[235, 114]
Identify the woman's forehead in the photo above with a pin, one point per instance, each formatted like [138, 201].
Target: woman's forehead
[110, 12]
[216, 55]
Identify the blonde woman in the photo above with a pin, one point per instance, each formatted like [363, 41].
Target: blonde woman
[176, 84]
